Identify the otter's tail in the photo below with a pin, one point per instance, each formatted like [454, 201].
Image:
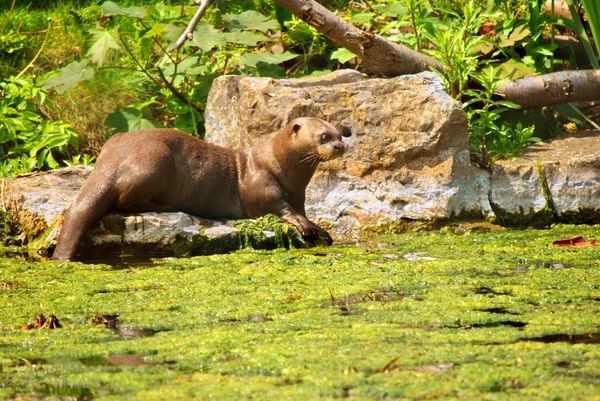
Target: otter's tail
[94, 198]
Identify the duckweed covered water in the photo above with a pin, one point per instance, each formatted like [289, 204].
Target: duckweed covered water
[437, 315]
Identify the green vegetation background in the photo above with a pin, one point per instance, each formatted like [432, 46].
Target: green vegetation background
[74, 72]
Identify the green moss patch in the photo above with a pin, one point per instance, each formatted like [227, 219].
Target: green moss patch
[444, 315]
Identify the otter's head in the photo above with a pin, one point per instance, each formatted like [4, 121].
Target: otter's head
[323, 142]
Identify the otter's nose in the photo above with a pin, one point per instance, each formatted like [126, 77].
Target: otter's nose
[339, 147]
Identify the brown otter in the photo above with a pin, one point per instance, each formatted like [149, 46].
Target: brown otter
[165, 170]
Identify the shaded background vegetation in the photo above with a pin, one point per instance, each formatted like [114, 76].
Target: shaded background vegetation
[49, 120]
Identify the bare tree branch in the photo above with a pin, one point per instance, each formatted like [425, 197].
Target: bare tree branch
[554, 88]
[187, 34]
[379, 55]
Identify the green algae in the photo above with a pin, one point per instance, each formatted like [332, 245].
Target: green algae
[441, 315]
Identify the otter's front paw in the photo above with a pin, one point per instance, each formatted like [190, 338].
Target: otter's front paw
[312, 232]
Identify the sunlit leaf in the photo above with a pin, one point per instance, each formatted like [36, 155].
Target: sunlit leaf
[250, 20]
[173, 33]
[110, 8]
[206, 37]
[101, 42]
[129, 119]
[342, 55]
[519, 33]
[69, 76]
[245, 38]
[362, 18]
[252, 59]
[156, 30]
[399, 9]
[513, 69]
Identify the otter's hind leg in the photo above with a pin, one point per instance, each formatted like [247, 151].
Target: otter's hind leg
[94, 198]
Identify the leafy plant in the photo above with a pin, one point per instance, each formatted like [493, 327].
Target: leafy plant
[490, 138]
[27, 140]
[230, 43]
[80, 160]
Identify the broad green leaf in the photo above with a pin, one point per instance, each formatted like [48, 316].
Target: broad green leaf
[250, 20]
[252, 59]
[519, 33]
[110, 8]
[101, 42]
[129, 119]
[69, 76]
[191, 61]
[269, 70]
[546, 50]
[173, 33]
[202, 87]
[342, 55]
[245, 38]
[156, 30]
[398, 9]
[514, 69]
[362, 18]
[206, 37]
[282, 14]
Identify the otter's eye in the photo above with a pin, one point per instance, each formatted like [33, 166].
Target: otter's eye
[325, 138]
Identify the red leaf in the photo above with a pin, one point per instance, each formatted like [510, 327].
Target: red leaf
[576, 241]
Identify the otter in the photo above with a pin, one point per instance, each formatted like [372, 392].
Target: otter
[165, 170]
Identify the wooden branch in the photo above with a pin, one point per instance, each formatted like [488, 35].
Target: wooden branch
[379, 55]
[554, 88]
[187, 34]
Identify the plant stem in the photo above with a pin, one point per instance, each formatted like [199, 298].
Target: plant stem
[39, 51]
[12, 7]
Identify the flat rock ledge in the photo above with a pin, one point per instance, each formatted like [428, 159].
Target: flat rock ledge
[36, 204]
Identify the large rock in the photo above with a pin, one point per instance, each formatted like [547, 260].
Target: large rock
[555, 181]
[407, 158]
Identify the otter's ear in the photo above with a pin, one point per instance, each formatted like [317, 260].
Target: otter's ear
[296, 128]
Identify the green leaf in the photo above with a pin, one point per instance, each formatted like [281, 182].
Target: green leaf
[206, 37]
[203, 86]
[342, 55]
[269, 70]
[69, 76]
[546, 50]
[592, 12]
[250, 20]
[519, 33]
[129, 119]
[514, 69]
[580, 30]
[282, 14]
[245, 38]
[398, 9]
[101, 42]
[362, 18]
[156, 30]
[109, 8]
[252, 59]
[173, 33]
[50, 161]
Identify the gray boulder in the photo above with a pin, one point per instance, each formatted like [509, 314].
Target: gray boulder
[407, 158]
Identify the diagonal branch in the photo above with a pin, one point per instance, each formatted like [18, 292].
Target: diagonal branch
[187, 34]
[379, 55]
